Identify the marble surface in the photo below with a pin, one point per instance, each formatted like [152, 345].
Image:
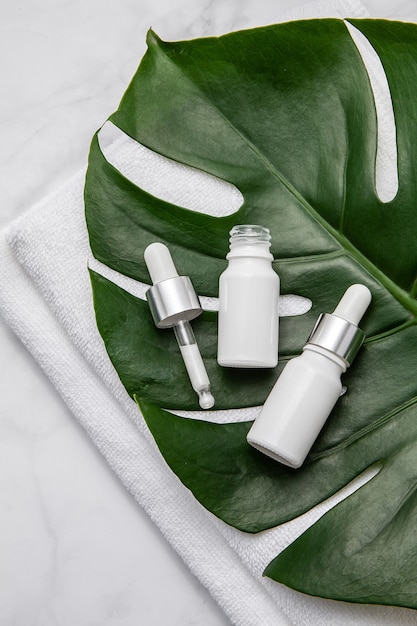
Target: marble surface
[76, 550]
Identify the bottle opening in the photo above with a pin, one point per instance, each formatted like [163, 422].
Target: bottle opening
[244, 234]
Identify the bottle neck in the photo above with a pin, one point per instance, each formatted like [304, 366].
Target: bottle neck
[331, 356]
[254, 250]
[250, 240]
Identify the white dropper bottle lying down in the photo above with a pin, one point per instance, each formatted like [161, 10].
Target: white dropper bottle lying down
[309, 385]
[173, 304]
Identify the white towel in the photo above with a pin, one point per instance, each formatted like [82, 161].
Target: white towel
[45, 297]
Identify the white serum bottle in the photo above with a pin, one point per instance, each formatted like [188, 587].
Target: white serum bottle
[248, 301]
[309, 385]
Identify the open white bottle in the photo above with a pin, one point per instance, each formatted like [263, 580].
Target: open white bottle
[309, 385]
[248, 301]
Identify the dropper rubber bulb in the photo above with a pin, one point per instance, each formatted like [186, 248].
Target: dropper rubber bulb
[173, 304]
[159, 262]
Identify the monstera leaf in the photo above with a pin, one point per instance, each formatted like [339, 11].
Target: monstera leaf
[286, 114]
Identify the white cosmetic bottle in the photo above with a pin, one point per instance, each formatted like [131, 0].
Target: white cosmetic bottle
[248, 301]
[309, 385]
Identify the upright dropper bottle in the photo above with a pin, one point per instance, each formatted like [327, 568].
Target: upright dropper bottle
[173, 304]
[309, 385]
[248, 301]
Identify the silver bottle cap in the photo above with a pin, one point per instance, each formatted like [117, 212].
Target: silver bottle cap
[338, 332]
[337, 335]
[173, 300]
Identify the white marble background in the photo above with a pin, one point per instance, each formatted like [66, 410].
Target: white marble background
[75, 549]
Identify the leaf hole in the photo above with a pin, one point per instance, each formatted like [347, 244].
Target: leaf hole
[290, 304]
[132, 286]
[166, 179]
[222, 416]
[386, 167]
[299, 525]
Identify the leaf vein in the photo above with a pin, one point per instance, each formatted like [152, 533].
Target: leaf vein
[400, 294]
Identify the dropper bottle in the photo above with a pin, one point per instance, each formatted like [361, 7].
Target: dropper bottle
[309, 385]
[174, 303]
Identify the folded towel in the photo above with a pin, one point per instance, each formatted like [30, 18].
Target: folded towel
[45, 297]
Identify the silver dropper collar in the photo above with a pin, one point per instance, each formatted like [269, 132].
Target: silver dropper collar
[173, 300]
[338, 332]
[337, 335]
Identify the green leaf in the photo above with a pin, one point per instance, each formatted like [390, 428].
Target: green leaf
[367, 542]
[286, 114]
